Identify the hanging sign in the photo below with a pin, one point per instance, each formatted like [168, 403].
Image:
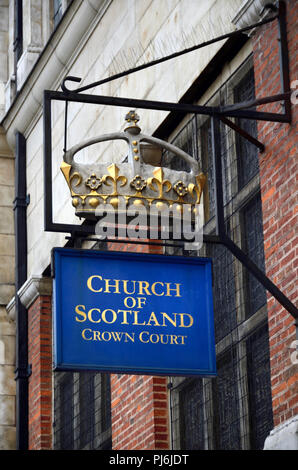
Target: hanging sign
[133, 313]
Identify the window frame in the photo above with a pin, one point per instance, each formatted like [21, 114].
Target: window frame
[99, 436]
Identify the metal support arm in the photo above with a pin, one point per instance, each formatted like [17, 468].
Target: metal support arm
[221, 230]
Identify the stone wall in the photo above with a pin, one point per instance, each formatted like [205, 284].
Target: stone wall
[7, 326]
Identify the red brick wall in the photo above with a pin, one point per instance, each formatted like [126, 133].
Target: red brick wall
[139, 403]
[139, 412]
[278, 175]
[40, 381]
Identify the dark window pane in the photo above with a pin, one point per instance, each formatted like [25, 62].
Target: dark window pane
[207, 159]
[106, 401]
[209, 194]
[226, 405]
[192, 416]
[18, 28]
[223, 290]
[86, 397]
[82, 410]
[186, 140]
[254, 246]
[258, 364]
[66, 412]
[247, 154]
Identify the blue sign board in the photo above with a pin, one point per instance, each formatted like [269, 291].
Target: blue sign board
[133, 313]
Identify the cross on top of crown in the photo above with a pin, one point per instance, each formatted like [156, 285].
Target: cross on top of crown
[132, 117]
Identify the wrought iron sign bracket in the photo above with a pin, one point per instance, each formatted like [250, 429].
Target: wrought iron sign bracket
[221, 229]
[220, 113]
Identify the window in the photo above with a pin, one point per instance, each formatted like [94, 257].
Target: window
[57, 9]
[86, 407]
[57, 12]
[253, 244]
[226, 425]
[260, 399]
[65, 416]
[248, 164]
[225, 316]
[82, 411]
[18, 29]
[233, 410]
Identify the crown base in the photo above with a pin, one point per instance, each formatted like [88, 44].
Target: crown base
[121, 208]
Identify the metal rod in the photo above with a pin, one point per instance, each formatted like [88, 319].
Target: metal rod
[130, 102]
[163, 59]
[217, 174]
[284, 55]
[258, 274]
[256, 115]
[243, 133]
[129, 242]
[206, 239]
[162, 106]
[255, 102]
[47, 167]
[65, 126]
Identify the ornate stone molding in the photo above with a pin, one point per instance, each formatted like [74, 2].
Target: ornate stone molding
[4, 148]
[28, 293]
[53, 63]
[250, 12]
[11, 309]
[33, 288]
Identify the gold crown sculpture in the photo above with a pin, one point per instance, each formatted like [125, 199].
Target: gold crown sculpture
[139, 181]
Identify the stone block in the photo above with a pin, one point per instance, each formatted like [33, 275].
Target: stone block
[7, 244]
[7, 410]
[7, 326]
[6, 171]
[7, 220]
[7, 381]
[7, 291]
[7, 349]
[7, 438]
[7, 195]
[7, 269]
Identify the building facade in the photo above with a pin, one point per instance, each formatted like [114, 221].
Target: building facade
[252, 403]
